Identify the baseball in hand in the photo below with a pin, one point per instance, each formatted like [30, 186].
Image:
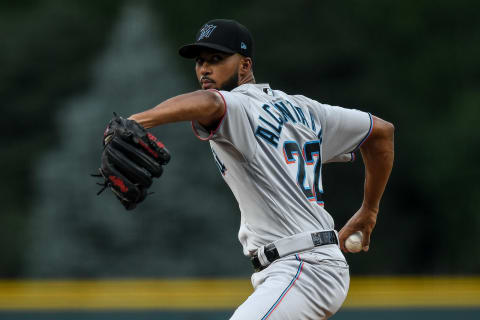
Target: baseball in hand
[354, 242]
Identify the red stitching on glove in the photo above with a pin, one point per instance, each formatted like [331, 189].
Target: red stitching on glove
[154, 139]
[118, 183]
[147, 148]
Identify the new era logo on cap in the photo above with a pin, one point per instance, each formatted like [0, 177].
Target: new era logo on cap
[206, 31]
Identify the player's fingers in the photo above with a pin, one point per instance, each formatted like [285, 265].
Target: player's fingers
[342, 245]
[366, 241]
[341, 240]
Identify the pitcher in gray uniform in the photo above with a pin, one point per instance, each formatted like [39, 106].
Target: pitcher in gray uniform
[270, 148]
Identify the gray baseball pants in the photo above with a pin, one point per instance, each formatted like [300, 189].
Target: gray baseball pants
[300, 286]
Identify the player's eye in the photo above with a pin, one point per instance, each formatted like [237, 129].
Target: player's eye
[199, 61]
[217, 58]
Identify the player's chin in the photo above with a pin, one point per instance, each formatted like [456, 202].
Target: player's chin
[208, 85]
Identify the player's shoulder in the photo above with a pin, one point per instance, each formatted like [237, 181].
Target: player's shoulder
[247, 94]
[306, 102]
[262, 92]
[304, 99]
[236, 96]
[251, 89]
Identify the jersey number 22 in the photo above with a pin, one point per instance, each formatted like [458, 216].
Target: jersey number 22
[306, 157]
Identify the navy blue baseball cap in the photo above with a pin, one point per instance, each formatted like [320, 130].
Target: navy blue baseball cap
[223, 35]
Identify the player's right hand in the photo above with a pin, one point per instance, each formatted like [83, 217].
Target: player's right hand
[363, 220]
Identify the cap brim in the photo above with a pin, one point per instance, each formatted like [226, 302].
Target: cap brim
[191, 51]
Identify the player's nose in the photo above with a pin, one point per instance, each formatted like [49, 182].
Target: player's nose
[205, 68]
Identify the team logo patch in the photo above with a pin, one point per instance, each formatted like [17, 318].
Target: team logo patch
[243, 46]
[206, 31]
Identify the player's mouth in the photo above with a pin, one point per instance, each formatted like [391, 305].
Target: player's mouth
[207, 83]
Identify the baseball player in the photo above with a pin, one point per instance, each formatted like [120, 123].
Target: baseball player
[270, 148]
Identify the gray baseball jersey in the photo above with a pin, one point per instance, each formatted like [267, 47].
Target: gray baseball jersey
[270, 147]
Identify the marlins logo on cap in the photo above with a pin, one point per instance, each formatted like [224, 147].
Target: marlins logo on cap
[206, 31]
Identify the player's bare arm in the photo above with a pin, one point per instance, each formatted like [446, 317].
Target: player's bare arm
[377, 153]
[205, 106]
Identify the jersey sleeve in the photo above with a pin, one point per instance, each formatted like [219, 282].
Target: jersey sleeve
[343, 130]
[235, 127]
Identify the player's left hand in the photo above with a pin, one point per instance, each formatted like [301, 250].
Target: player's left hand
[131, 158]
[363, 220]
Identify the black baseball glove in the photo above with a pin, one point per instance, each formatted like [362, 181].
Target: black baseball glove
[131, 158]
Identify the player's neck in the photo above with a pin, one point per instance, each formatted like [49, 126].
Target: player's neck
[249, 78]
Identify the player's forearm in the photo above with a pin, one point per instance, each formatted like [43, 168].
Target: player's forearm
[205, 106]
[377, 153]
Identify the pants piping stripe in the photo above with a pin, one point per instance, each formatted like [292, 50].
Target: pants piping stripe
[284, 293]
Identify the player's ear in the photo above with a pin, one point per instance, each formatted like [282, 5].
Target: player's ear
[245, 65]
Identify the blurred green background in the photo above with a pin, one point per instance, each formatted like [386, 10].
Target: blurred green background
[67, 65]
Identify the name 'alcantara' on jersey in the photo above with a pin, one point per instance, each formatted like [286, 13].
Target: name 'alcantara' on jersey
[276, 115]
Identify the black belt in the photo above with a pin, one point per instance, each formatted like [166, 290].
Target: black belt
[319, 239]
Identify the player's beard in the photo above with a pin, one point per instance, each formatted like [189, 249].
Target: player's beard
[231, 83]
